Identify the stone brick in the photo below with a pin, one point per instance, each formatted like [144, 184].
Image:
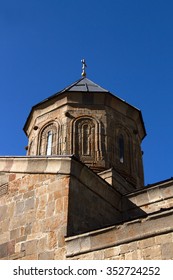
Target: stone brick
[30, 257]
[128, 256]
[60, 254]
[18, 197]
[29, 203]
[52, 240]
[12, 177]
[3, 212]
[42, 244]
[50, 209]
[85, 243]
[162, 239]
[154, 194]
[30, 216]
[30, 247]
[17, 256]
[124, 248]
[42, 201]
[4, 225]
[150, 253]
[73, 247]
[27, 229]
[21, 238]
[4, 237]
[136, 255]
[120, 257]
[59, 205]
[149, 242]
[54, 186]
[28, 194]
[41, 190]
[111, 252]
[3, 250]
[15, 233]
[40, 214]
[99, 255]
[88, 256]
[46, 255]
[167, 251]
[17, 247]
[19, 207]
[11, 247]
[51, 197]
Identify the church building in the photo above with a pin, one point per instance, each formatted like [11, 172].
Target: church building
[79, 192]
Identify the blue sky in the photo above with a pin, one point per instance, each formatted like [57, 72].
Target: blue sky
[128, 46]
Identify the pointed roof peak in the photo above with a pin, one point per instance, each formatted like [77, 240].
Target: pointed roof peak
[85, 85]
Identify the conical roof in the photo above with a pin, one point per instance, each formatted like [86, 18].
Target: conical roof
[82, 85]
[85, 85]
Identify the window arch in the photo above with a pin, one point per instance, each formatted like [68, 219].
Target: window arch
[86, 143]
[86, 139]
[48, 144]
[123, 148]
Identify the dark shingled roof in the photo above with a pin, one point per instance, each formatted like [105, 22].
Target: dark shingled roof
[83, 85]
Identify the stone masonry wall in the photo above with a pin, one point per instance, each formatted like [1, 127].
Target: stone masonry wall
[44, 199]
[148, 238]
[33, 217]
[154, 248]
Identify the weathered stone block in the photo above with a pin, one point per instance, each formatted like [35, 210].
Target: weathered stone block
[152, 252]
[163, 239]
[52, 240]
[149, 242]
[30, 247]
[154, 194]
[19, 207]
[167, 251]
[49, 255]
[42, 244]
[60, 254]
[111, 252]
[3, 213]
[15, 233]
[29, 194]
[3, 250]
[29, 203]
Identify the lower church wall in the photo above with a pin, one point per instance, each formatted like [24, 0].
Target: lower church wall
[142, 239]
[47, 205]
[42, 200]
[33, 217]
[153, 248]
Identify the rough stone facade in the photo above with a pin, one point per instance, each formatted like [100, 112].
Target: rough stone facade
[90, 205]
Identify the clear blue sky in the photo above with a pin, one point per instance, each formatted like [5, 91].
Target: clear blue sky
[128, 46]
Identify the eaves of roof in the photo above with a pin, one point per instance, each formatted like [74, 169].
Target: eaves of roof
[82, 85]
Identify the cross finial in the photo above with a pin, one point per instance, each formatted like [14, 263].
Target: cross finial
[83, 67]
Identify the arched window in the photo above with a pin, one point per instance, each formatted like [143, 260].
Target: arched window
[121, 148]
[48, 141]
[85, 139]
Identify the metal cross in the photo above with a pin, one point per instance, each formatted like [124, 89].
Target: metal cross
[83, 67]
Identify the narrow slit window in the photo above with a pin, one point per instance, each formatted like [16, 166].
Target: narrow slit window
[121, 148]
[49, 143]
[85, 139]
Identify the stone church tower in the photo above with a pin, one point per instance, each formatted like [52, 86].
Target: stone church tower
[99, 128]
[79, 192]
